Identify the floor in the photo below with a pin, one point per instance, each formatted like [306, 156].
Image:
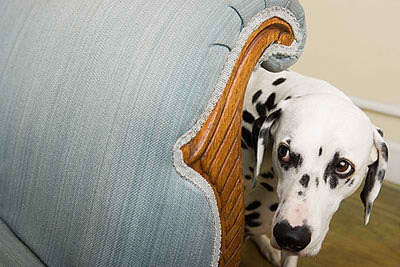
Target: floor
[349, 242]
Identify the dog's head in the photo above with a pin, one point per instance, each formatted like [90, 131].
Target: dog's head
[323, 147]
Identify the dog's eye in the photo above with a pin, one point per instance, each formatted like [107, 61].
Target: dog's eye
[344, 168]
[284, 153]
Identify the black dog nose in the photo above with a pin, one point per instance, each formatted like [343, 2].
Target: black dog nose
[292, 238]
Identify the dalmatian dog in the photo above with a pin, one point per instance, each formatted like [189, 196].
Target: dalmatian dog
[305, 148]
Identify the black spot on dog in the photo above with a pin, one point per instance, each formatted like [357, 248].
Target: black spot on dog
[300, 193]
[247, 117]
[256, 130]
[256, 96]
[270, 103]
[267, 175]
[348, 180]
[252, 216]
[263, 135]
[247, 233]
[246, 134]
[268, 187]
[248, 177]
[385, 154]
[288, 141]
[369, 182]
[261, 109]
[243, 144]
[368, 208]
[274, 115]
[380, 132]
[296, 159]
[330, 168]
[285, 166]
[273, 207]
[320, 151]
[333, 182]
[352, 182]
[278, 81]
[249, 219]
[253, 223]
[381, 175]
[317, 182]
[259, 122]
[287, 98]
[253, 205]
[304, 180]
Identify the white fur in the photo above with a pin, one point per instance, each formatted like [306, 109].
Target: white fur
[317, 115]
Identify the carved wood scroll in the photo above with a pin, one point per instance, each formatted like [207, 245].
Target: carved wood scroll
[215, 153]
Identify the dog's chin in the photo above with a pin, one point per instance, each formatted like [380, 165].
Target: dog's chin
[312, 251]
[308, 251]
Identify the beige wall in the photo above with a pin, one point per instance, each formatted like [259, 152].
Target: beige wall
[355, 45]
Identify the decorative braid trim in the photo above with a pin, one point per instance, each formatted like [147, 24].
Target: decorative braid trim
[184, 170]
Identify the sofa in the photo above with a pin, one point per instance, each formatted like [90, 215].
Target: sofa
[120, 127]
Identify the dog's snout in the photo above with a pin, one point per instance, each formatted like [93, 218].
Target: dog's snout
[292, 238]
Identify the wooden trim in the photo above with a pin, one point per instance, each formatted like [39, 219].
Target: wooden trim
[215, 152]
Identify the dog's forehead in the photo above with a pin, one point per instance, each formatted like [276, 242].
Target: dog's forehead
[328, 122]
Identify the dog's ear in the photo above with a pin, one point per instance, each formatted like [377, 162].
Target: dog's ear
[262, 131]
[375, 175]
[264, 136]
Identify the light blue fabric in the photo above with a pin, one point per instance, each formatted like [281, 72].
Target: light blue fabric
[13, 253]
[245, 10]
[278, 63]
[93, 96]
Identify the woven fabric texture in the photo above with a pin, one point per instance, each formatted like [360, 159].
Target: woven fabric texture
[13, 252]
[279, 62]
[93, 96]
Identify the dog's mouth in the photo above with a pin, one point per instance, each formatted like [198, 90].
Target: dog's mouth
[310, 250]
[306, 252]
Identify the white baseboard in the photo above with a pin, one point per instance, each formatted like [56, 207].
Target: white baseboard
[393, 170]
[371, 105]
